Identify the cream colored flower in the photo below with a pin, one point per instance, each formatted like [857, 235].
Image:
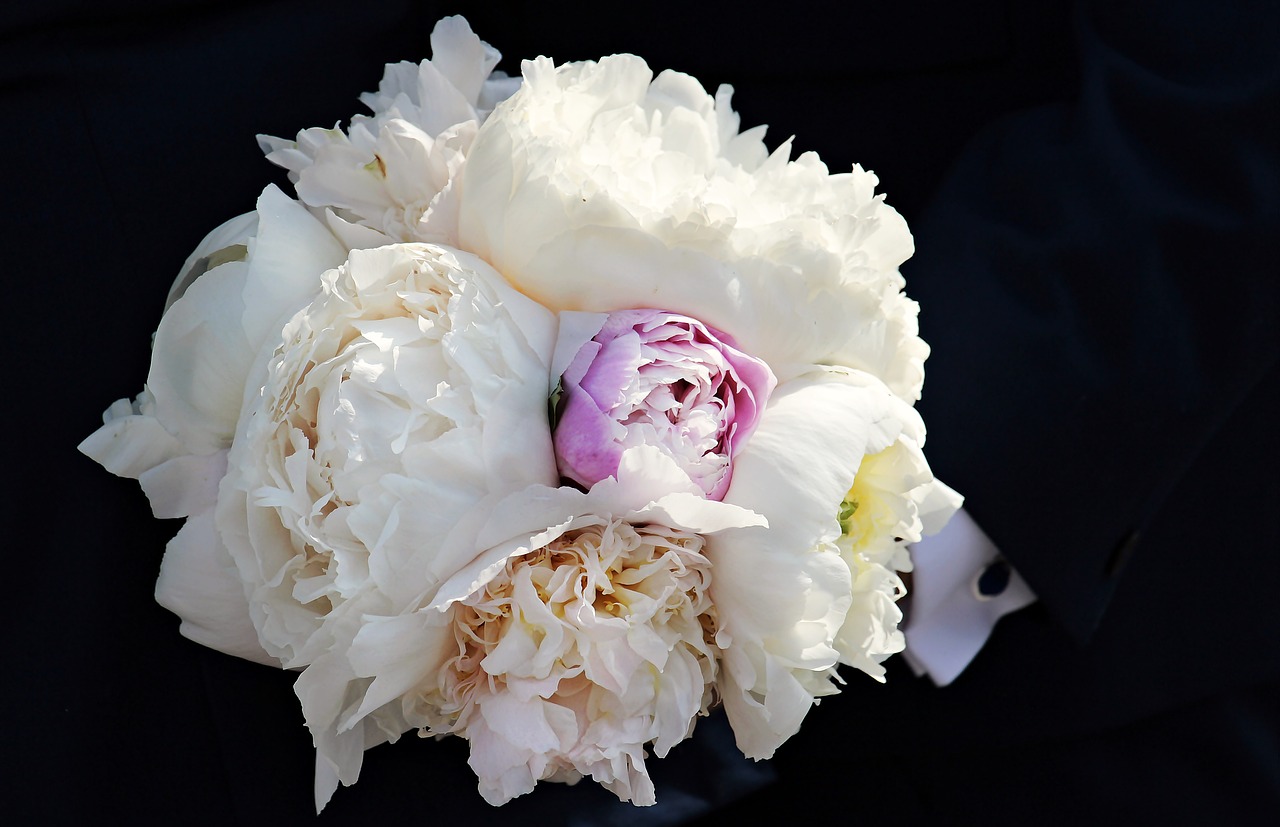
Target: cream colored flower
[581, 635]
[390, 176]
[807, 594]
[410, 388]
[605, 634]
[598, 187]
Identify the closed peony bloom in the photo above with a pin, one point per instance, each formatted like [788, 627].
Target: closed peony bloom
[654, 378]
[390, 176]
[411, 387]
[598, 187]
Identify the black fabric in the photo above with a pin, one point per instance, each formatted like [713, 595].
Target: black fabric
[1095, 195]
[1122, 246]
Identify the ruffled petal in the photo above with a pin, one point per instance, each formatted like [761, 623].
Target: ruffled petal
[600, 188]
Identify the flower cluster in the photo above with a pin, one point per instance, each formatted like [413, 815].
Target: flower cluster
[552, 412]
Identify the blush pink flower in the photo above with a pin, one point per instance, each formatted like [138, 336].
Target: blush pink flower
[650, 377]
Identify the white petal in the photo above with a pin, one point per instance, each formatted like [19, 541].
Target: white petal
[288, 256]
[782, 613]
[199, 583]
[399, 653]
[326, 783]
[354, 236]
[461, 56]
[184, 485]
[939, 502]
[130, 445]
[323, 688]
[231, 233]
[200, 360]
[782, 594]
[575, 330]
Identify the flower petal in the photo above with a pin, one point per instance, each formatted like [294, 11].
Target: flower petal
[200, 360]
[214, 249]
[783, 594]
[129, 443]
[199, 583]
[184, 485]
[286, 259]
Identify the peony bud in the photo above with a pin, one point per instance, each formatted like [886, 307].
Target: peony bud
[650, 377]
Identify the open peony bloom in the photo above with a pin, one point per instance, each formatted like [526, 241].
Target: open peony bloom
[578, 653]
[600, 187]
[654, 378]
[410, 388]
[390, 177]
[808, 594]
[581, 633]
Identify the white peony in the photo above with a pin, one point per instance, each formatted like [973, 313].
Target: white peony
[410, 388]
[598, 187]
[390, 176]
[893, 502]
[386, 400]
[582, 632]
[812, 591]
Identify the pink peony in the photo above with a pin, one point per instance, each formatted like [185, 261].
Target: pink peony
[650, 377]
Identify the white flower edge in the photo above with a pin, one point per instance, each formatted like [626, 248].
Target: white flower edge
[785, 594]
[173, 438]
[207, 339]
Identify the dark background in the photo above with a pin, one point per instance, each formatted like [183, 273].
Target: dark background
[1021, 140]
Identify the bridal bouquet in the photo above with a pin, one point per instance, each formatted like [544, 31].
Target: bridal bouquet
[550, 412]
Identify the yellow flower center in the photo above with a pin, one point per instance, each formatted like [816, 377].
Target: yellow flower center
[864, 514]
